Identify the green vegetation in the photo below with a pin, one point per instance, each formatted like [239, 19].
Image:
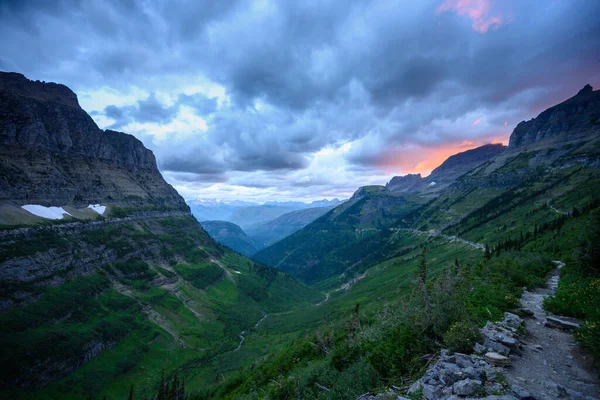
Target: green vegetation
[122, 324]
[366, 350]
[578, 293]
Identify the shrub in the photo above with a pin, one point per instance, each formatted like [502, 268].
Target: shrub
[462, 336]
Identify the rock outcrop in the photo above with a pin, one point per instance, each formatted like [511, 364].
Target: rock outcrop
[405, 183]
[456, 376]
[575, 117]
[52, 153]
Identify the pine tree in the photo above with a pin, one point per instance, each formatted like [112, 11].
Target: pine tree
[487, 253]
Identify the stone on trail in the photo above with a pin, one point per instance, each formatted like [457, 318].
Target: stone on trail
[560, 323]
[497, 359]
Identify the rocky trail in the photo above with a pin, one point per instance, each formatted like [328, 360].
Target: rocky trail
[543, 363]
[552, 364]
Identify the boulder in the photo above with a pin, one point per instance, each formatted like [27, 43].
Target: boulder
[554, 322]
[497, 359]
[466, 387]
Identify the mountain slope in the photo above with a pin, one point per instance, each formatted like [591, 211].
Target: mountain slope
[339, 239]
[96, 299]
[507, 192]
[230, 235]
[273, 231]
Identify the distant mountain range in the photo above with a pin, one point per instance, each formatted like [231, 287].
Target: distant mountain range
[246, 213]
[248, 227]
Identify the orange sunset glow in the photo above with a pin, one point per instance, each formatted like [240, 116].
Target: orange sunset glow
[423, 160]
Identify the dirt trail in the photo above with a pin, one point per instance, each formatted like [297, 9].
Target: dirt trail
[552, 365]
[241, 335]
[434, 232]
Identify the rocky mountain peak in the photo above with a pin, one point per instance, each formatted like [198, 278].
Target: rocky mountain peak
[403, 183]
[586, 89]
[52, 153]
[16, 84]
[566, 121]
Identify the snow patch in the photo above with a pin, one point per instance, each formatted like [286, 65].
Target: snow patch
[237, 272]
[98, 208]
[432, 184]
[45, 212]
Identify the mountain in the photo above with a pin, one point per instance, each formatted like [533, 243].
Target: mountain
[334, 243]
[230, 235]
[273, 231]
[107, 279]
[447, 173]
[491, 193]
[215, 210]
[248, 217]
[52, 153]
[245, 213]
[573, 119]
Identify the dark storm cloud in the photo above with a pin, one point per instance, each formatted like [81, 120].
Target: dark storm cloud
[302, 76]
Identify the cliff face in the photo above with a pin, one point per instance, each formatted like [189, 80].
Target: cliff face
[52, 153]
[406, 183]
[573, 118]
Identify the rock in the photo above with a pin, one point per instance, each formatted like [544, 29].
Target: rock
[521, 393]
[511, 320]
[496, 346]
[535, 347]
[570, 118]
[560, 323]
[466, 387]
[479, 348]
[431, 392]
[526, 312]
[497, 359]
[463, 361]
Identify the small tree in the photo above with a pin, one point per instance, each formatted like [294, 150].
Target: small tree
[487, 252]
[130, 393]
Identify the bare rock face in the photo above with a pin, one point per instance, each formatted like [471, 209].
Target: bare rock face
[52, 153]
[577, 116]
[406, 183]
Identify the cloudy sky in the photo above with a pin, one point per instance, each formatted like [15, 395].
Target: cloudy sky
[264, 100]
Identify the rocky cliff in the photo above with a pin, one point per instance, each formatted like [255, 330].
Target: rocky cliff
[447, 173]
[53, 154]
[571, 119]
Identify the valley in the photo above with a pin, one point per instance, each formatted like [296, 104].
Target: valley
[353, 297]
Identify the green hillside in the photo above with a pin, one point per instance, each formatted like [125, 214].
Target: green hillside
[230, 235]
[179, 302]
[270, 232]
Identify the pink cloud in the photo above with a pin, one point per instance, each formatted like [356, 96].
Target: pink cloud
[477, 10]
[477, 121]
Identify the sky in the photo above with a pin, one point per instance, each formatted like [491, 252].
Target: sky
[302, 100]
